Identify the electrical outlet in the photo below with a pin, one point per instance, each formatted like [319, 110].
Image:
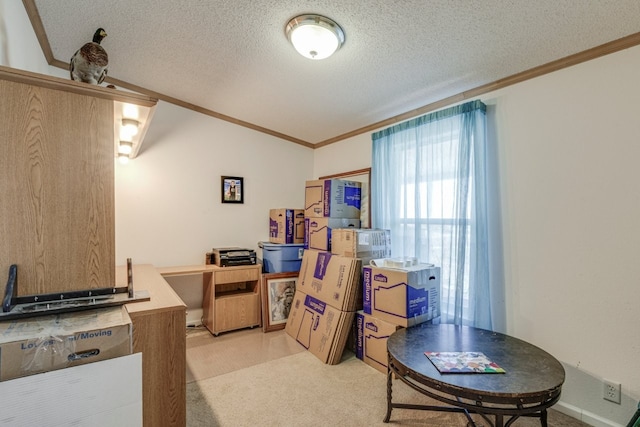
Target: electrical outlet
[611, 391]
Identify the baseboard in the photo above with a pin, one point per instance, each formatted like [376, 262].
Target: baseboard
[569, 410]
[597, 421]
[194, 317]
[584, 416]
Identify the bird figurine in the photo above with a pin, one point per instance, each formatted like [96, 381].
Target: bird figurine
[89, 63]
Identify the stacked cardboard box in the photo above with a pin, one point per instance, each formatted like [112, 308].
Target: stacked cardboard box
[286, 226]
[329, 204]
[319, 232]
[393, 298]
[334, 198]
[368, 339]
[331, 278]
[365, 244]
[284, 250]
[371, 335]
[336, 279]
[319, 327]
[40, 344]
[406, 295]
[323, 306]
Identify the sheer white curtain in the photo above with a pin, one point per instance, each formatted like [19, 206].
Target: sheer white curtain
[430, 188]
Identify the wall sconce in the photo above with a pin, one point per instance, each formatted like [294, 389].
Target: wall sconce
[314, 36]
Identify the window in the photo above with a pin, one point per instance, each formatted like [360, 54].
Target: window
[429, 189]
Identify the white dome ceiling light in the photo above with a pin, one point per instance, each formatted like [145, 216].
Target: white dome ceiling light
[314, 36]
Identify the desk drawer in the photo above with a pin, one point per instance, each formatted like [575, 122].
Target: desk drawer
[234, 276]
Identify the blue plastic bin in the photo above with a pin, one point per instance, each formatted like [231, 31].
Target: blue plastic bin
[281, 257]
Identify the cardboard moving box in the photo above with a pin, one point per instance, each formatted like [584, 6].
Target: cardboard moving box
[335, 198]
[330, 278]
[46, 343]
[403, 296]
[371, 340]
[318, 232]
[363, 243]
[286, 226]
[319, 327]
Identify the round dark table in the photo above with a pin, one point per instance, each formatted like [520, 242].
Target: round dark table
[531, 384]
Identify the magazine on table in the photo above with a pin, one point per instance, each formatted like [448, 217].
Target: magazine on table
[463, 362]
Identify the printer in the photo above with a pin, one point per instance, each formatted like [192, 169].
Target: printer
[230, 257]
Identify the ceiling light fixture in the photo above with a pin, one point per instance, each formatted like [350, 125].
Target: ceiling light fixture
[123, 158]
[314, 36]
[130, 111]
[130, 128]
[125, 147]
[130, 125]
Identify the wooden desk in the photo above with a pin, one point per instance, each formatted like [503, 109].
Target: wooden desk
[159, 333]
[230, 295]
[185, 270]
[531, 384]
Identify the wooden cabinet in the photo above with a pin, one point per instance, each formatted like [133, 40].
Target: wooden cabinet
[231, 298]
[57, 188]
[57, 212]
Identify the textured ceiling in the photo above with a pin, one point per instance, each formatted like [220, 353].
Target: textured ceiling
[232, 57]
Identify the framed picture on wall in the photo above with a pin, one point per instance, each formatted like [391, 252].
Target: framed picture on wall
[232, 189]
[277, 295]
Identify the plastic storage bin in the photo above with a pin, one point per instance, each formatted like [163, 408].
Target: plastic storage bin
[281, 257]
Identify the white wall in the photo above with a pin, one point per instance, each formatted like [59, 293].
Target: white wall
[345, 156]
[168, 208]
[19, 47]
[569, 147]
[569, 144]
[168, 199]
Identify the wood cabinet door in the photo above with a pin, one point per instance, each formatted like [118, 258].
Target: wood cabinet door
[56, 189]
[237, 311]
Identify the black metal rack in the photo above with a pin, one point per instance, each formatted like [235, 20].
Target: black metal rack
[16, 307]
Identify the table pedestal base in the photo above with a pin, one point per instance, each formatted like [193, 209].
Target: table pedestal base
[511, 410]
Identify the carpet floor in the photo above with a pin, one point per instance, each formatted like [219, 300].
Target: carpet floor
[271, 381]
